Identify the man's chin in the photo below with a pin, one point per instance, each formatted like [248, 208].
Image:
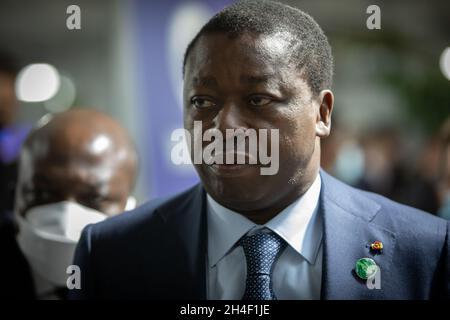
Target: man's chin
[235, 186]
[226, 178]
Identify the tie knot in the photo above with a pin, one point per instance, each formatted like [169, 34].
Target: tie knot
[261, 250]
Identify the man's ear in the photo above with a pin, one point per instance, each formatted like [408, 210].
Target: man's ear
[323, 123]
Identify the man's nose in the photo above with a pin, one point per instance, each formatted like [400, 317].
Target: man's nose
[230, 116]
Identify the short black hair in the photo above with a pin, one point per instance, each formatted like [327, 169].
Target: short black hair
[312, 52]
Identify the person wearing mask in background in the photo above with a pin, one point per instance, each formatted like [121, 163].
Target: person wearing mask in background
[14, 270]
[77, 167]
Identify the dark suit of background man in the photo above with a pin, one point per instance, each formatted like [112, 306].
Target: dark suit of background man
[239, 234]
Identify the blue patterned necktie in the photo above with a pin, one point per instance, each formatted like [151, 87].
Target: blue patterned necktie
[261, 251]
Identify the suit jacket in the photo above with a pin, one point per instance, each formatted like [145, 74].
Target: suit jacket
[158, 251]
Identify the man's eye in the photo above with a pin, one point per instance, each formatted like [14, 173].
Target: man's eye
[259, 101]
[202, 103]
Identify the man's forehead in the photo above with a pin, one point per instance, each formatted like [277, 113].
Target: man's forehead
[95, 174]
[278, 44]
[203, 79]
[265, 51]
[50, 160]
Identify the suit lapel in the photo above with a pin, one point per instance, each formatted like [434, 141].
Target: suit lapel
[186, 244]
[348, 232]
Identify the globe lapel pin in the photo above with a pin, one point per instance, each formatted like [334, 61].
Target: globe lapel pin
[376, 247]
[366, 268]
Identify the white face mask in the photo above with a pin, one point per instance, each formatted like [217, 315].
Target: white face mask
[49, 234]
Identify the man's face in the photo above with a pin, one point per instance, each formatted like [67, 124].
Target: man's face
[249, 82]
[97, 181]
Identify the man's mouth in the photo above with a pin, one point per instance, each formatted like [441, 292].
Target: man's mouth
[232, 158]
[235, 168]
[231, 170]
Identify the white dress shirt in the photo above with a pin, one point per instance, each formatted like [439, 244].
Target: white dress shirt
[297, 273]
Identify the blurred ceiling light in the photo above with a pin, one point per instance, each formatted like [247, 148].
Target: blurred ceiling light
[64, 98]
[445, 63]
[37, 82]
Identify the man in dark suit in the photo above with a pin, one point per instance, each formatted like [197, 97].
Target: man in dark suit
[296, 234]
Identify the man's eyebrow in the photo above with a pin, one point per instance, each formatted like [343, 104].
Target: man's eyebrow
[255, 79]
[205, 81]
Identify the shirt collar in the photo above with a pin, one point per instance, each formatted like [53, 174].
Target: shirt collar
[298, 224]
[225, 228]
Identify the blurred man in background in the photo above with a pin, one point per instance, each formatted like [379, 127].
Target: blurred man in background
[76, 168]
